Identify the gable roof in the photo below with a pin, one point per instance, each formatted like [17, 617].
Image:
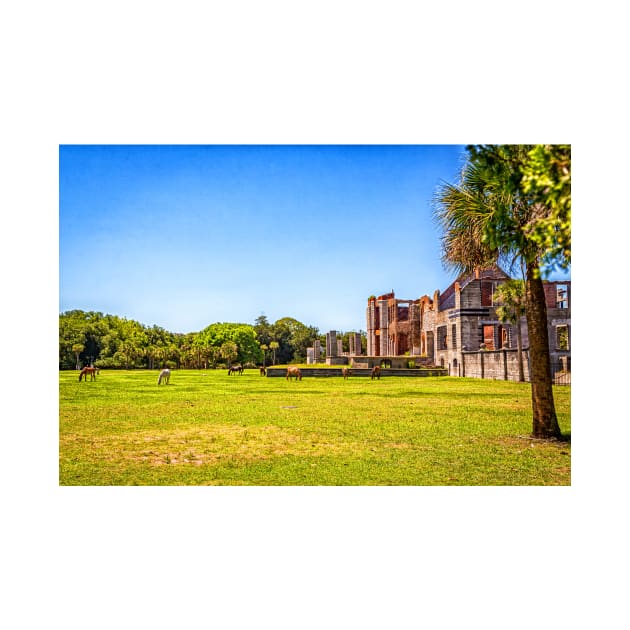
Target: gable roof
[447, 297]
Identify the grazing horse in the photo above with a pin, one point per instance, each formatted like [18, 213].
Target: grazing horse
[294, 371]
[165, 375]
[346, 373]
[376, 372]
[235, 369]
[263, 371]
[92, 371]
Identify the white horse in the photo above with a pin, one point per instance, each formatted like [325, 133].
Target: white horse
[165, 375]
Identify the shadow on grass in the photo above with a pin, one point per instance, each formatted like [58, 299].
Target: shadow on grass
[565, 438]
[432, 394]
[301, 392]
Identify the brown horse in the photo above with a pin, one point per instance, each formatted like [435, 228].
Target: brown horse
[263, 371]
[235, 369]
[92, 371]
[376, 372]
[294, 371]
[346, 373]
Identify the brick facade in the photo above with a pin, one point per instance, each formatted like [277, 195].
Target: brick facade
[450, 327]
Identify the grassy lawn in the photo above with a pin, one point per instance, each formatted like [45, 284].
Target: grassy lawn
[208, 428]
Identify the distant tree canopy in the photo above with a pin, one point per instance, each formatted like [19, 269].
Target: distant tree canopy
[109, 341]
[243, 336]
[294, 338]
[286, 340]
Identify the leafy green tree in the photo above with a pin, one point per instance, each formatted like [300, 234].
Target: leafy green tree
[150, 339]
[108, 340]
[116, 342]
[273, 346]
[150, 356]
[547, 179]
[293, 338]
[210, 355]
[302, 339]
[129, 352]
[229, 351]
[72, 325]
[282, 331]
[160, 354]
[174, 357]
[263, 330]
[490, 215]
[198, 347]
[243, 335]
[511, 297]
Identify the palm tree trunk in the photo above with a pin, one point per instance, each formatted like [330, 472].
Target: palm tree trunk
[545, 422]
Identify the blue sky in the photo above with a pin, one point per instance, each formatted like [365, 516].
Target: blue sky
[184, 236]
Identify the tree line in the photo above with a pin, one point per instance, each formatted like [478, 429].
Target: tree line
[109, 341]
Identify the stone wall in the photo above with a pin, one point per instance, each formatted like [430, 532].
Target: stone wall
[498, 365]
[307, 372]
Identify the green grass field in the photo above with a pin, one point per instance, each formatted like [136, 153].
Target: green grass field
[208, 428]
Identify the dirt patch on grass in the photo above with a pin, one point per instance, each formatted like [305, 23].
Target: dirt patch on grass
[520, 443]
[211, 445]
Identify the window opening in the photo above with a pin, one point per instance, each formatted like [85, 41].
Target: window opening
[562, 337]
[441, 337]
[562, 296]
[488, 337]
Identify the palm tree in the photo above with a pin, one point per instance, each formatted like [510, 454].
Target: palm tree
[129, 352]
[229, 352]
[273, 346]
[159, 353]
[264, 348]
[488, 217]
[78, 348]
[511, 297]
[174, 354]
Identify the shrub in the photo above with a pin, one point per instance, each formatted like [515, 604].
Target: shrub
[108, 362]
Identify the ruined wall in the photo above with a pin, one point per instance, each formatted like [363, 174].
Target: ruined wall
[457, 322]
[331, 344]
[383, 337]
[415, 327]
[497, 365]
[441, 330]
[370, 316]
[558, 294]
[428, 325]
[354, 341]
[471, 295]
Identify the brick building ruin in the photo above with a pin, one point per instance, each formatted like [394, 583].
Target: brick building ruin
[335, 354]
[458, 328]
